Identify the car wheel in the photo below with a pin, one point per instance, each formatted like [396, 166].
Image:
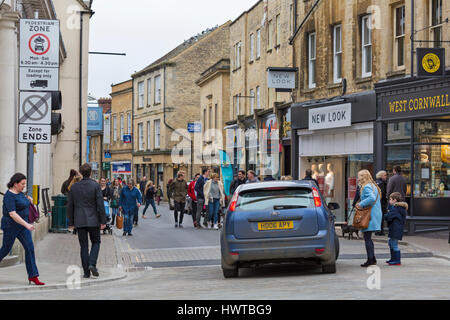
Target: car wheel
[329, 268]
[230, 271]
[336, 244]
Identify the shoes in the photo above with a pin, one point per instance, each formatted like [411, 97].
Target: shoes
[94, 271]
[176, 225]
[158, 215]
[124, 234]
[87, 275]
[216, 226]
[129, 234]
[396, 260]
[369, 263]
[144, 217]
[36, 281]
[180, 226]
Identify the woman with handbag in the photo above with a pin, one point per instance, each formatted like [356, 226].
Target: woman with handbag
[368, 207]
[15, 225]
[116, 189]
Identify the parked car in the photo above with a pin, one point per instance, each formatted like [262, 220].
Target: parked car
[278, 221]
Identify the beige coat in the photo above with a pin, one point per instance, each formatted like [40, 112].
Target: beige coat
[207, 189]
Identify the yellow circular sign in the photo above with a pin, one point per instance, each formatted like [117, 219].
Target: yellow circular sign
[431, 63]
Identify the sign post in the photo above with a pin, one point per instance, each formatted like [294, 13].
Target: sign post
[38, 77]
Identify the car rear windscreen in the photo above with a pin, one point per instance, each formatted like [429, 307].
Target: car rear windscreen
[275, 199]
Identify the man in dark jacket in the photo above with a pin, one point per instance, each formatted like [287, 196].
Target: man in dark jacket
[201, 196]
[397, 183]
[268, 176]
[308, 177]
[178, 190]
[236, 183]
[86, 212]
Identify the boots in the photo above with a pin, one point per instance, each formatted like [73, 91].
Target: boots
[369, 262]
[392, 256]
[396, 261]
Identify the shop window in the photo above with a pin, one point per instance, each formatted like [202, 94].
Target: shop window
[398, 132]
[400, 156]
[432, 131]
[432, 171]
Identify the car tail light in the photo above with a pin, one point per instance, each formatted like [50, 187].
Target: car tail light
[317, 201]
[233, 202]
[320, 251]
[234, 253]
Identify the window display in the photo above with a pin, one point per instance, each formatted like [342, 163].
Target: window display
[432, 131]
[400, 156]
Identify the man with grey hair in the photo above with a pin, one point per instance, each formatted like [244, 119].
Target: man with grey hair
[381, 180]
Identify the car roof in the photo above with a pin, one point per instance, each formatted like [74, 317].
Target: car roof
[276, 184]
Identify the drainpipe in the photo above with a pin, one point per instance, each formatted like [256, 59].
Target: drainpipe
[412, 38]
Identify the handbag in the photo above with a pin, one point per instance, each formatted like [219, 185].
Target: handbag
[119, 221]
[33, 216]
[362, 216]
[171, 204]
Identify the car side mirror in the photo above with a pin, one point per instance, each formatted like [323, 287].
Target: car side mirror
[333, 206]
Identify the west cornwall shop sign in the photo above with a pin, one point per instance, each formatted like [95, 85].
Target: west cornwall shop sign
[425, 103]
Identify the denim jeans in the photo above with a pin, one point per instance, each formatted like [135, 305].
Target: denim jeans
[213, 209]
[25, 238]
[152, 203]
[370, 248]
[128, 218]
[89, 258]
[393, 244]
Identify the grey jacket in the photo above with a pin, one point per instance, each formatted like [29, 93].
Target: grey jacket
[85, 206]
[396, 184]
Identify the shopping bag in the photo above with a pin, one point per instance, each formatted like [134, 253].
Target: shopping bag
[119, 221]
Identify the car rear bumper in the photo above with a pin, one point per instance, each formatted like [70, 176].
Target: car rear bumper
[254, 250]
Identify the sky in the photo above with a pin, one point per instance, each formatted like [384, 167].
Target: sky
[146, 30]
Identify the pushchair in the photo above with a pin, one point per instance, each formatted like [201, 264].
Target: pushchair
[108, 228]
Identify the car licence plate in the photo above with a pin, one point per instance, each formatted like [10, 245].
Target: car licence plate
[275, 225]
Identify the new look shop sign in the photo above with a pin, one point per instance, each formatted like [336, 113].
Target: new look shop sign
[338, 116]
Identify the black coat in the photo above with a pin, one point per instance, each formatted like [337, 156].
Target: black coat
[85, 206]
[235, 184]
[199, 187]
[150, 194]
[384, 201]
[396, 218]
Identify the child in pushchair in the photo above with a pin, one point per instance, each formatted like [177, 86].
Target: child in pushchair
[108, 228]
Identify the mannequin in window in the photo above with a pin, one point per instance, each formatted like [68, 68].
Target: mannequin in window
[315, 171]
[329, 183]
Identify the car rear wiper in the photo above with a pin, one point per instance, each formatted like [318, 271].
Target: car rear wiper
[283, 207]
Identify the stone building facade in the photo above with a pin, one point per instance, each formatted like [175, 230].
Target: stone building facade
[121, 123]
[259, 40]
[166, 99]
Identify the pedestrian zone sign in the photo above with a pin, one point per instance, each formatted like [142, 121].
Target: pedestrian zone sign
[35, 117]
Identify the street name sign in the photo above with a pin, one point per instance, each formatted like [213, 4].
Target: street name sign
[39, 55]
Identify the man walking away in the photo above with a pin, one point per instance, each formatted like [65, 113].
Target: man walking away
[142, 186]
[178, 190]
[86, 213]
[308, 177]
[268, 175]
[201, 196]
[396, 184]
[192, 195]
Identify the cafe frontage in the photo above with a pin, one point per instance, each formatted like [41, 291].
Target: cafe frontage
[413, 131]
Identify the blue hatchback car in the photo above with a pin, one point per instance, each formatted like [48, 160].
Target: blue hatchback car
[277, 222]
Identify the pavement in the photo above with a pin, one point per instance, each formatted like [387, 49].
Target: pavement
[59, 264]
[162, 247]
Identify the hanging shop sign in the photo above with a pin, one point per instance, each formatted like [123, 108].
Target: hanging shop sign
[281, 79]
[431, 62]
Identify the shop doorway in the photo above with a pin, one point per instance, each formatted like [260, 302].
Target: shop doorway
[337, 178]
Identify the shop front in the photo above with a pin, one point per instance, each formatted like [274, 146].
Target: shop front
[335, 139]
[269, 143]
[121, 170]
[413, 132]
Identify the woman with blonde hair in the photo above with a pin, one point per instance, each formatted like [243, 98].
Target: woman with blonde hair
[214, 198]
[370, 197]
[75, 179]
[149, 195]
